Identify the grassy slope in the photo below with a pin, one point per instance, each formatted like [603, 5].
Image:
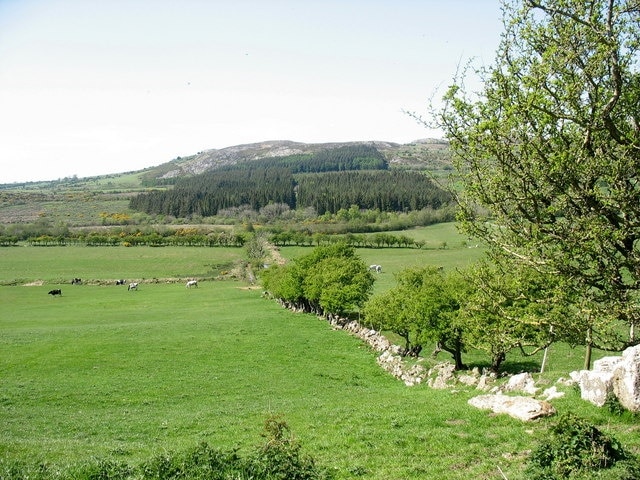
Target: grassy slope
[106, 372]
[102, 371]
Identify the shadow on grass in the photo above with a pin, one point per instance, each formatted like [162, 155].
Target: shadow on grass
[509, 367]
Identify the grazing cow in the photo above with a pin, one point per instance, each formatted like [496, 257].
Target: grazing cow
[192, 283]
[55, 291]
[376, 268]
[120, 282]
[133, 286]
[76, 281]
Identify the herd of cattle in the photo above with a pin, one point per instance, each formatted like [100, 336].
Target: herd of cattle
[132, 286]
[189, 284]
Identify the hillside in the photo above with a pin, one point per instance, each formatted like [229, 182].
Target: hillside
[427, 154]
[94, 200]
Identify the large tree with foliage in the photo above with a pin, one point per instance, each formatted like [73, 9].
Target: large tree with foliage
[331, 279]
[423, 308]
[548, 150]
[516, 307]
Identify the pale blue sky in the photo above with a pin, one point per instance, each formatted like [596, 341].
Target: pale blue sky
[90, 87]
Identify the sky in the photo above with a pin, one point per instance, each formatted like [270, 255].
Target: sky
[92, 87]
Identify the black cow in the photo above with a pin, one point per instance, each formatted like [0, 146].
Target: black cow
[55, 291]
[120, 282]
[76, 281]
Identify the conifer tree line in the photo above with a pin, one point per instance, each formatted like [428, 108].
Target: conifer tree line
[329, 181]
[387, 191]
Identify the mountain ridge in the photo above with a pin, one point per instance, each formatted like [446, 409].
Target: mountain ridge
[411, 155]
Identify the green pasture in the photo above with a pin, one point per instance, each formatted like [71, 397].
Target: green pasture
[58, 265]
[444, 247]
[102, 372]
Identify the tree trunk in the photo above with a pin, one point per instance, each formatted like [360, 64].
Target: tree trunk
[587, 353]
[546, 352]
[457, 357]
[456, 352]
[544, 360]
[496, 361]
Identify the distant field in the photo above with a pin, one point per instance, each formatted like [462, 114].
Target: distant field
[104, 372]
[444, 247]
[58, 265]
[70, 202]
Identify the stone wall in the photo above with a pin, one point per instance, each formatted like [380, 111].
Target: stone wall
[390, 359]
[617, 376]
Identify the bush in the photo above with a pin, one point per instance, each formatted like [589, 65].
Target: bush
[201, 462]
[280, 458]
[576, 448]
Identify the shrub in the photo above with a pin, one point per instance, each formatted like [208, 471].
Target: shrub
[575, 448]
[101, 469]
[200, 462]
[280, 458]
[613, 404]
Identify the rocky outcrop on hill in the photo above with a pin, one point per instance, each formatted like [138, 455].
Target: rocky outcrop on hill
[432, 153]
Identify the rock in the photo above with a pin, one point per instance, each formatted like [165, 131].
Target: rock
[410, 375]
[444, 376]
[521, 408]
[619, 376]
[469, 380]
[595, 386]
[552, 393]
[627, 384]
[484, 382]
[523, 382]
[566, 382]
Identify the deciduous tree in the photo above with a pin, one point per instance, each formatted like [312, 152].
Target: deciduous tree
[548, 151]
[423, 308]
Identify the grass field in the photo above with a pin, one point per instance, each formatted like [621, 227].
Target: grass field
[444, 247]
[104, 372]
[58, 265]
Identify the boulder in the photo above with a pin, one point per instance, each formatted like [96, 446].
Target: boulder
[619, 376]
[595, 386]
[469, 380]
[522, 382]
[522, 408]
[485, 381]
[627, 384]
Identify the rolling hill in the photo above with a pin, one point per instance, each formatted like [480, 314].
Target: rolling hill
[426, 154]
[82, 201]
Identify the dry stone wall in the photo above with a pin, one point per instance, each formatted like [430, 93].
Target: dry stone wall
[618, 376]
[443, 375]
